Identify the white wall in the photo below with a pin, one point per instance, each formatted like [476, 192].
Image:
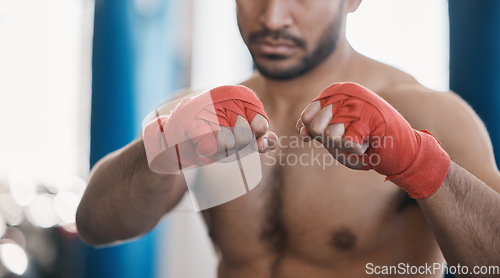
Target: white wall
[412, 35]
[41, 87]
[219, 54]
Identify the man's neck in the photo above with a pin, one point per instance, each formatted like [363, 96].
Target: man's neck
[335, 68]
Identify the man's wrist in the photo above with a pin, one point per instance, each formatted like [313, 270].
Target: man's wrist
[427, 172]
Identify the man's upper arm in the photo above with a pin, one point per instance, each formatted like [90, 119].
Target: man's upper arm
[465, 138]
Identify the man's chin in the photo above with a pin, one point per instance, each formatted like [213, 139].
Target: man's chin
[279, 68]
[281, 74]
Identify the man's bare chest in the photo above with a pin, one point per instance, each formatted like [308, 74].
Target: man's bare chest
[321, 211]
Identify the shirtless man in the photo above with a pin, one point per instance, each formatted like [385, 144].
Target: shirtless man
[311, 220]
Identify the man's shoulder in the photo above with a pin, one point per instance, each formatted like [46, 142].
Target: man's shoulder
[403, 91]
[378, 76]
[423, 107]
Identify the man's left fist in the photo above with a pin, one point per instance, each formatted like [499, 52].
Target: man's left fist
[363, 131]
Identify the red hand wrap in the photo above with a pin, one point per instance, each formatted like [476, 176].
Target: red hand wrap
[411, 159]
[188, 136]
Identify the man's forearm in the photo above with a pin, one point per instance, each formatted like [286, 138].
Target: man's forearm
[465, 216]
[124, 199]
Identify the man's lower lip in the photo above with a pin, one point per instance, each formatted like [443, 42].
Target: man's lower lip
[268, 49]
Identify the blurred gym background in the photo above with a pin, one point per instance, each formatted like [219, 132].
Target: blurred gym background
[78, 76]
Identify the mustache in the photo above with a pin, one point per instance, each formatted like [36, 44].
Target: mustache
[276, 34]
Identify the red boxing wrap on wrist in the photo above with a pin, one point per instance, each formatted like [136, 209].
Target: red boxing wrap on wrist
[411, 159]
[193, 125]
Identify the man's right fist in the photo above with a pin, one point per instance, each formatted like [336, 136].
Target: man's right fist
[207, 128]
[352, 121]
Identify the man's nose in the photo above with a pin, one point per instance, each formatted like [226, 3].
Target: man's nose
[276, 14]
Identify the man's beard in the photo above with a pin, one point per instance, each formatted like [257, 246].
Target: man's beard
[326, 45]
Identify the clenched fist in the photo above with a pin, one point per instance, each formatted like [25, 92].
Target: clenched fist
[363, 131]
[207, 128]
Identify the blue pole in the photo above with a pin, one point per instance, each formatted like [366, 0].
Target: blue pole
[475, 59]
[134, 67]
[113, 126]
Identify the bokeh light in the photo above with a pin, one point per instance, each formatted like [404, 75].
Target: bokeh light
[11, 210]
[3, 226]
[41, 211]
[71, 183]
[13, 257]
[65, 206]
[22, 188]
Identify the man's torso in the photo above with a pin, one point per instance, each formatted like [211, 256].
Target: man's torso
[312, 217]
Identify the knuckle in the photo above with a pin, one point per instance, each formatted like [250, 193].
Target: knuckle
[316, 128]
[334, 136]
[230, 141]
[243, 136]
[307, 117]
[226, 140]
[331, 133]
[259, 126]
